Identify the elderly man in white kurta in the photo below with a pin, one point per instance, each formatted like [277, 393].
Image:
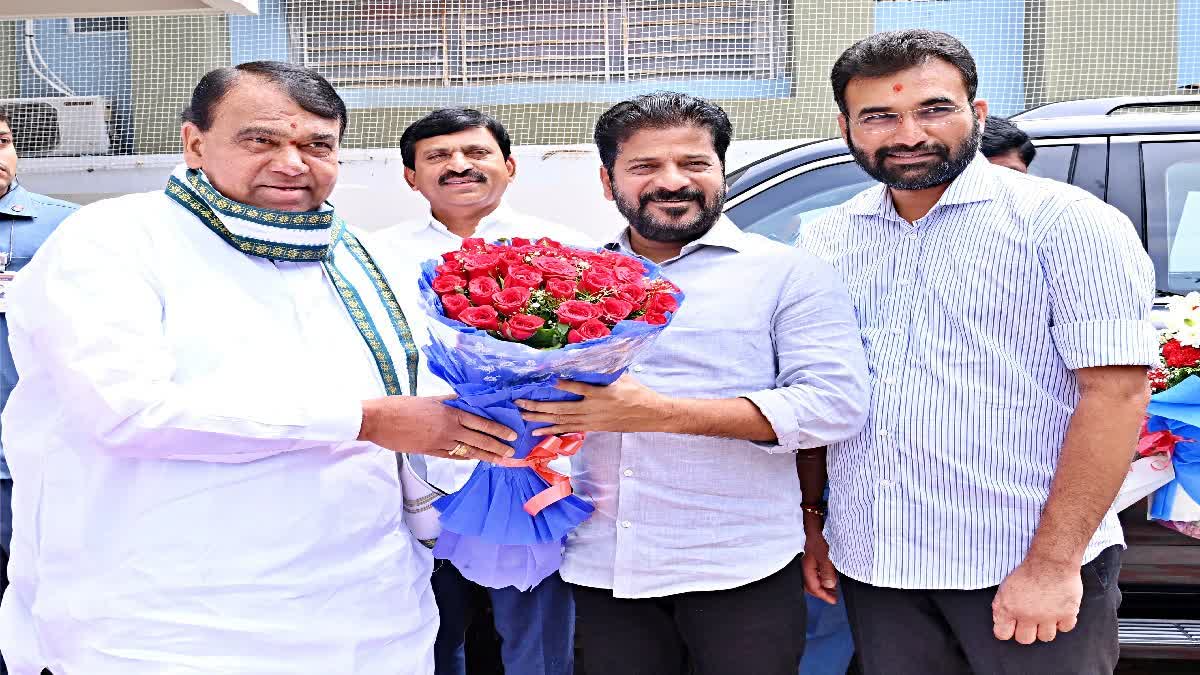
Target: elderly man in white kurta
[213, 378]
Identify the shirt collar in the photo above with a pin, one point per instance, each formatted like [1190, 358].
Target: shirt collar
[724, 234]
[974, 184]
[502, 214]
[17, 203]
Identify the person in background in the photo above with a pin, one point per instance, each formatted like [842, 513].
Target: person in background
[460, 161]
[1005, 144]
[26, 219]
[1006, 322]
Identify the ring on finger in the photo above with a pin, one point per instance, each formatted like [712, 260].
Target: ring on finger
[459, 450]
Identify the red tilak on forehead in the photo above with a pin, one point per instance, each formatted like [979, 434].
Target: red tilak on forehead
[897, 88]
[293, 125]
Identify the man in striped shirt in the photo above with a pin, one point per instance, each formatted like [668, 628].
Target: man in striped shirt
[1005, 319]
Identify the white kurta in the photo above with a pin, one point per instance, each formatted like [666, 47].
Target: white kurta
[189, 496]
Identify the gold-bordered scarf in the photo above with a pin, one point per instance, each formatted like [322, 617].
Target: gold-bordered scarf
[310, 236]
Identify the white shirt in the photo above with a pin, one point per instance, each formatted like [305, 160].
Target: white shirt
[677, 513]
[399, 251]
[189, 496]
[974, 319]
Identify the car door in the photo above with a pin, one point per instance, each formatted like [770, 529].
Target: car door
[1155, 180]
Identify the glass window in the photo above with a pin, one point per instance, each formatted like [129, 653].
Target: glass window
[781, 211]
[1172, 180]
[1054, 161]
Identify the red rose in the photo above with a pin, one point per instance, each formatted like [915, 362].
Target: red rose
[1178, 355]
[484, 318]
[510, 300]
[634, 293]
[546, 242]
[588, 330]
[563, 289]
[448, 283]
[627, 275]
[598, 279]
[474, 244]
[520, 241]
[654, 318]
[448, 268]
[482, 289]
[521, 327]
[661, 304]
[615, 309]
[454, 304]
[481, 264]
[555, 267]
[510, 259]
[576, 312]
[451, 256]
[523, 275]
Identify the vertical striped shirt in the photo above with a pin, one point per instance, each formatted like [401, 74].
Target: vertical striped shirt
[974, 319]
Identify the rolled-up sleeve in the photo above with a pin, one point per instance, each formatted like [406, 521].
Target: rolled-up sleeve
[1101, 288]
[822, 391]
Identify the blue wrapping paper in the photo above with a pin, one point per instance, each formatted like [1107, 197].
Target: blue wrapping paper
[1178, 410]
[486, 531]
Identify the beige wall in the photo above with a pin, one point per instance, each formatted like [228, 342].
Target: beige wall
[1128, 47]
[9, 85]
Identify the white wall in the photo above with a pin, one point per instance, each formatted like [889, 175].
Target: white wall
[560, 183]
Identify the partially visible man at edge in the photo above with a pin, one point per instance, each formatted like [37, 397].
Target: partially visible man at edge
[692, 559]
[202, 434]
[460, 161]
[30, 218]
[1005, 318]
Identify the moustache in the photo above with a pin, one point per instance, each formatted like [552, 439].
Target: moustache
[935, 148]
[474, 174]
[681, 195]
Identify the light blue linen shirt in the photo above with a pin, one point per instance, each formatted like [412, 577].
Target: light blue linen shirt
[678, 513]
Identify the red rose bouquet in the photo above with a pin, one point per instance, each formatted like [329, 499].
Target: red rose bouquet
[1170, 439]
[507, 321]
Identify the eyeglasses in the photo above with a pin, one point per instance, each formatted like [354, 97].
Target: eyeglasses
[931, 116]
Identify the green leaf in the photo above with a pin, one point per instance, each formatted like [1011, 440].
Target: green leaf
[544, 338]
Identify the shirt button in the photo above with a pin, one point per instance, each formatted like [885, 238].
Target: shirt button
[897, 331]
[902, 282]
[637, 369]
[884, 432]
[628, 472]
[886, 483]
[889, 380]
[912, 235]
[626, 524]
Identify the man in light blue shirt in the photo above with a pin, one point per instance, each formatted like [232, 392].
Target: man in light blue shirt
[26, 219]
[1005, 320]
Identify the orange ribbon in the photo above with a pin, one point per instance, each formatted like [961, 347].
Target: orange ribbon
[1158, 442]
[538, 459]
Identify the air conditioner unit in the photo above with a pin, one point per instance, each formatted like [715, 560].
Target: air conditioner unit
[59, 126]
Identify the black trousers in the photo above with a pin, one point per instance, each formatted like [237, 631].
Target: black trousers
[754, 629]
[925, 632]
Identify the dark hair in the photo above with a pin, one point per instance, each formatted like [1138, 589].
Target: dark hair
[1001, 136]
[660, 110]
[5, 119]
[891, 52]
[303, 85]
[450, 121]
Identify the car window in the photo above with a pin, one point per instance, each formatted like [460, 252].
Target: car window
[1172, 180]
[782, 210]
[1054, 161]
